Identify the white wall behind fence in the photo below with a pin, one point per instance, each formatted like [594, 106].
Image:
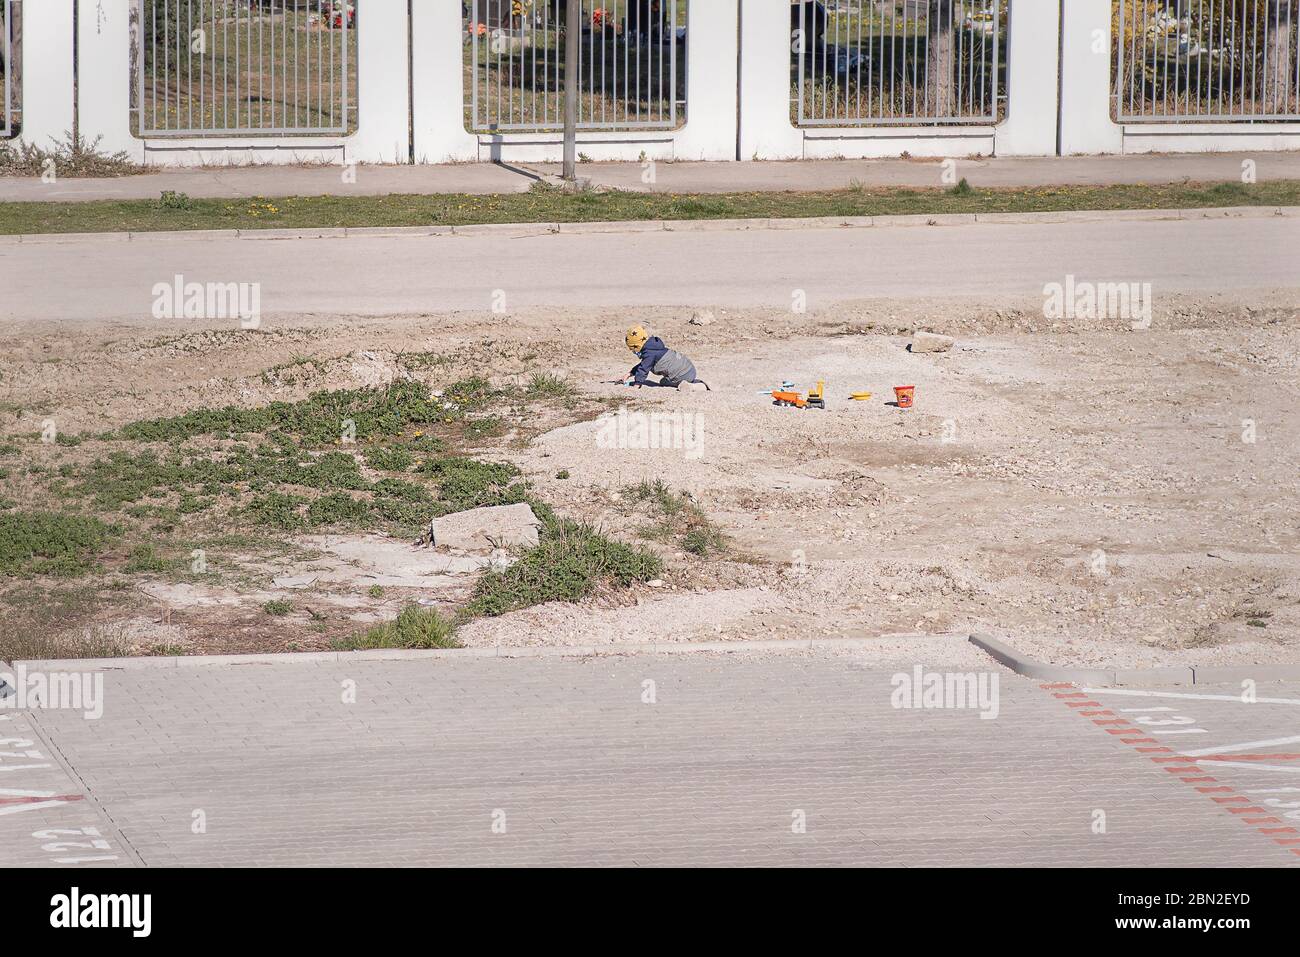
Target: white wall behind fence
[738, 95]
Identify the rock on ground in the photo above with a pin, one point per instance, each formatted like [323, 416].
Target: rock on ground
[931, 342]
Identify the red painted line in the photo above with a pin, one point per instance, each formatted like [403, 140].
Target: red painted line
[1141, 741]
[1295, 850]
[1191, 770]
[1083, 704]
[1071, 694]
[1100, 721]
[1221, 787]
[1176, 757]
[1261, 820]
[1155, 750]
[1121, 730]
[1287, 840]
[1093, 714]
[1277, 830]
[1194, 780]
[1246, 810]
[54, 797]
[1059, 684]
[1231, 800]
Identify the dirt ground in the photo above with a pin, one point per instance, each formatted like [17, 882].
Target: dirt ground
[1089, 493]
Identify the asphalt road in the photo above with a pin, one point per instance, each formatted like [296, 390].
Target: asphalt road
[111, 278]
[645, 760]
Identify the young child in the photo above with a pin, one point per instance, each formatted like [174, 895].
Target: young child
[673, 368]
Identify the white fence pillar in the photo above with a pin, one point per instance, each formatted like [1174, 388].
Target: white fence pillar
[104, 76]
[1086, 126]
[48, 91]
[711, 50]
[383, 117]
[439, 84]
[765, 128]
[1032, 57]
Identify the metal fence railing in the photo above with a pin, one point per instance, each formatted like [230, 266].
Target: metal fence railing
[888, 62]
[632, 64]
[10, 74]
[223, 67]
[1206, 60]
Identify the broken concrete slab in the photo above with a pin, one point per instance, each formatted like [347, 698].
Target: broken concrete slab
[930, 342]
[489, 528]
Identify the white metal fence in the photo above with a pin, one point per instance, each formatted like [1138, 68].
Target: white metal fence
[222, 67]
[631, 64]
[888, 62]
[1215, 60]
[9, 74]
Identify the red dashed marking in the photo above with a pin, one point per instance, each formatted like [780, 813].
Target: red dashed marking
[1183, 765]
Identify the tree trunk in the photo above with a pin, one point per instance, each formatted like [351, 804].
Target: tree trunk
[940, 54]
[1280, 92]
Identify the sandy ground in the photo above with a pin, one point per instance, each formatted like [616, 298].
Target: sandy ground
[1089, 493]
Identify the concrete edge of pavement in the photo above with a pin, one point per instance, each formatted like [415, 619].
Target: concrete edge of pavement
[1133, 677]
[493, 651]
[999, 651]
[524, 230]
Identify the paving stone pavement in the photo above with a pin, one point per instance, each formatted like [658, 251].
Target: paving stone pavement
[568, 761]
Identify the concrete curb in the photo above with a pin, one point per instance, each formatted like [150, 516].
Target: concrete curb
[999, 651]
[1133, 677]
[528, 230]
[401, 654]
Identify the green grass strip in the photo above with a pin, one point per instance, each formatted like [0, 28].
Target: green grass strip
[551, 205]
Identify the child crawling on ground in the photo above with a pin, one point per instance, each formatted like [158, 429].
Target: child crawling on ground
[674, 369]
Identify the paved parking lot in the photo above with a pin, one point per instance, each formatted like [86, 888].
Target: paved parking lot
[644, 760]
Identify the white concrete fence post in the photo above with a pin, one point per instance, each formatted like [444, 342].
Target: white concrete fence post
[47, 73]
[1085, 123]
[1032, 57]
[439, 83]
[765, 129]
[104, 76]
[383, 114]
